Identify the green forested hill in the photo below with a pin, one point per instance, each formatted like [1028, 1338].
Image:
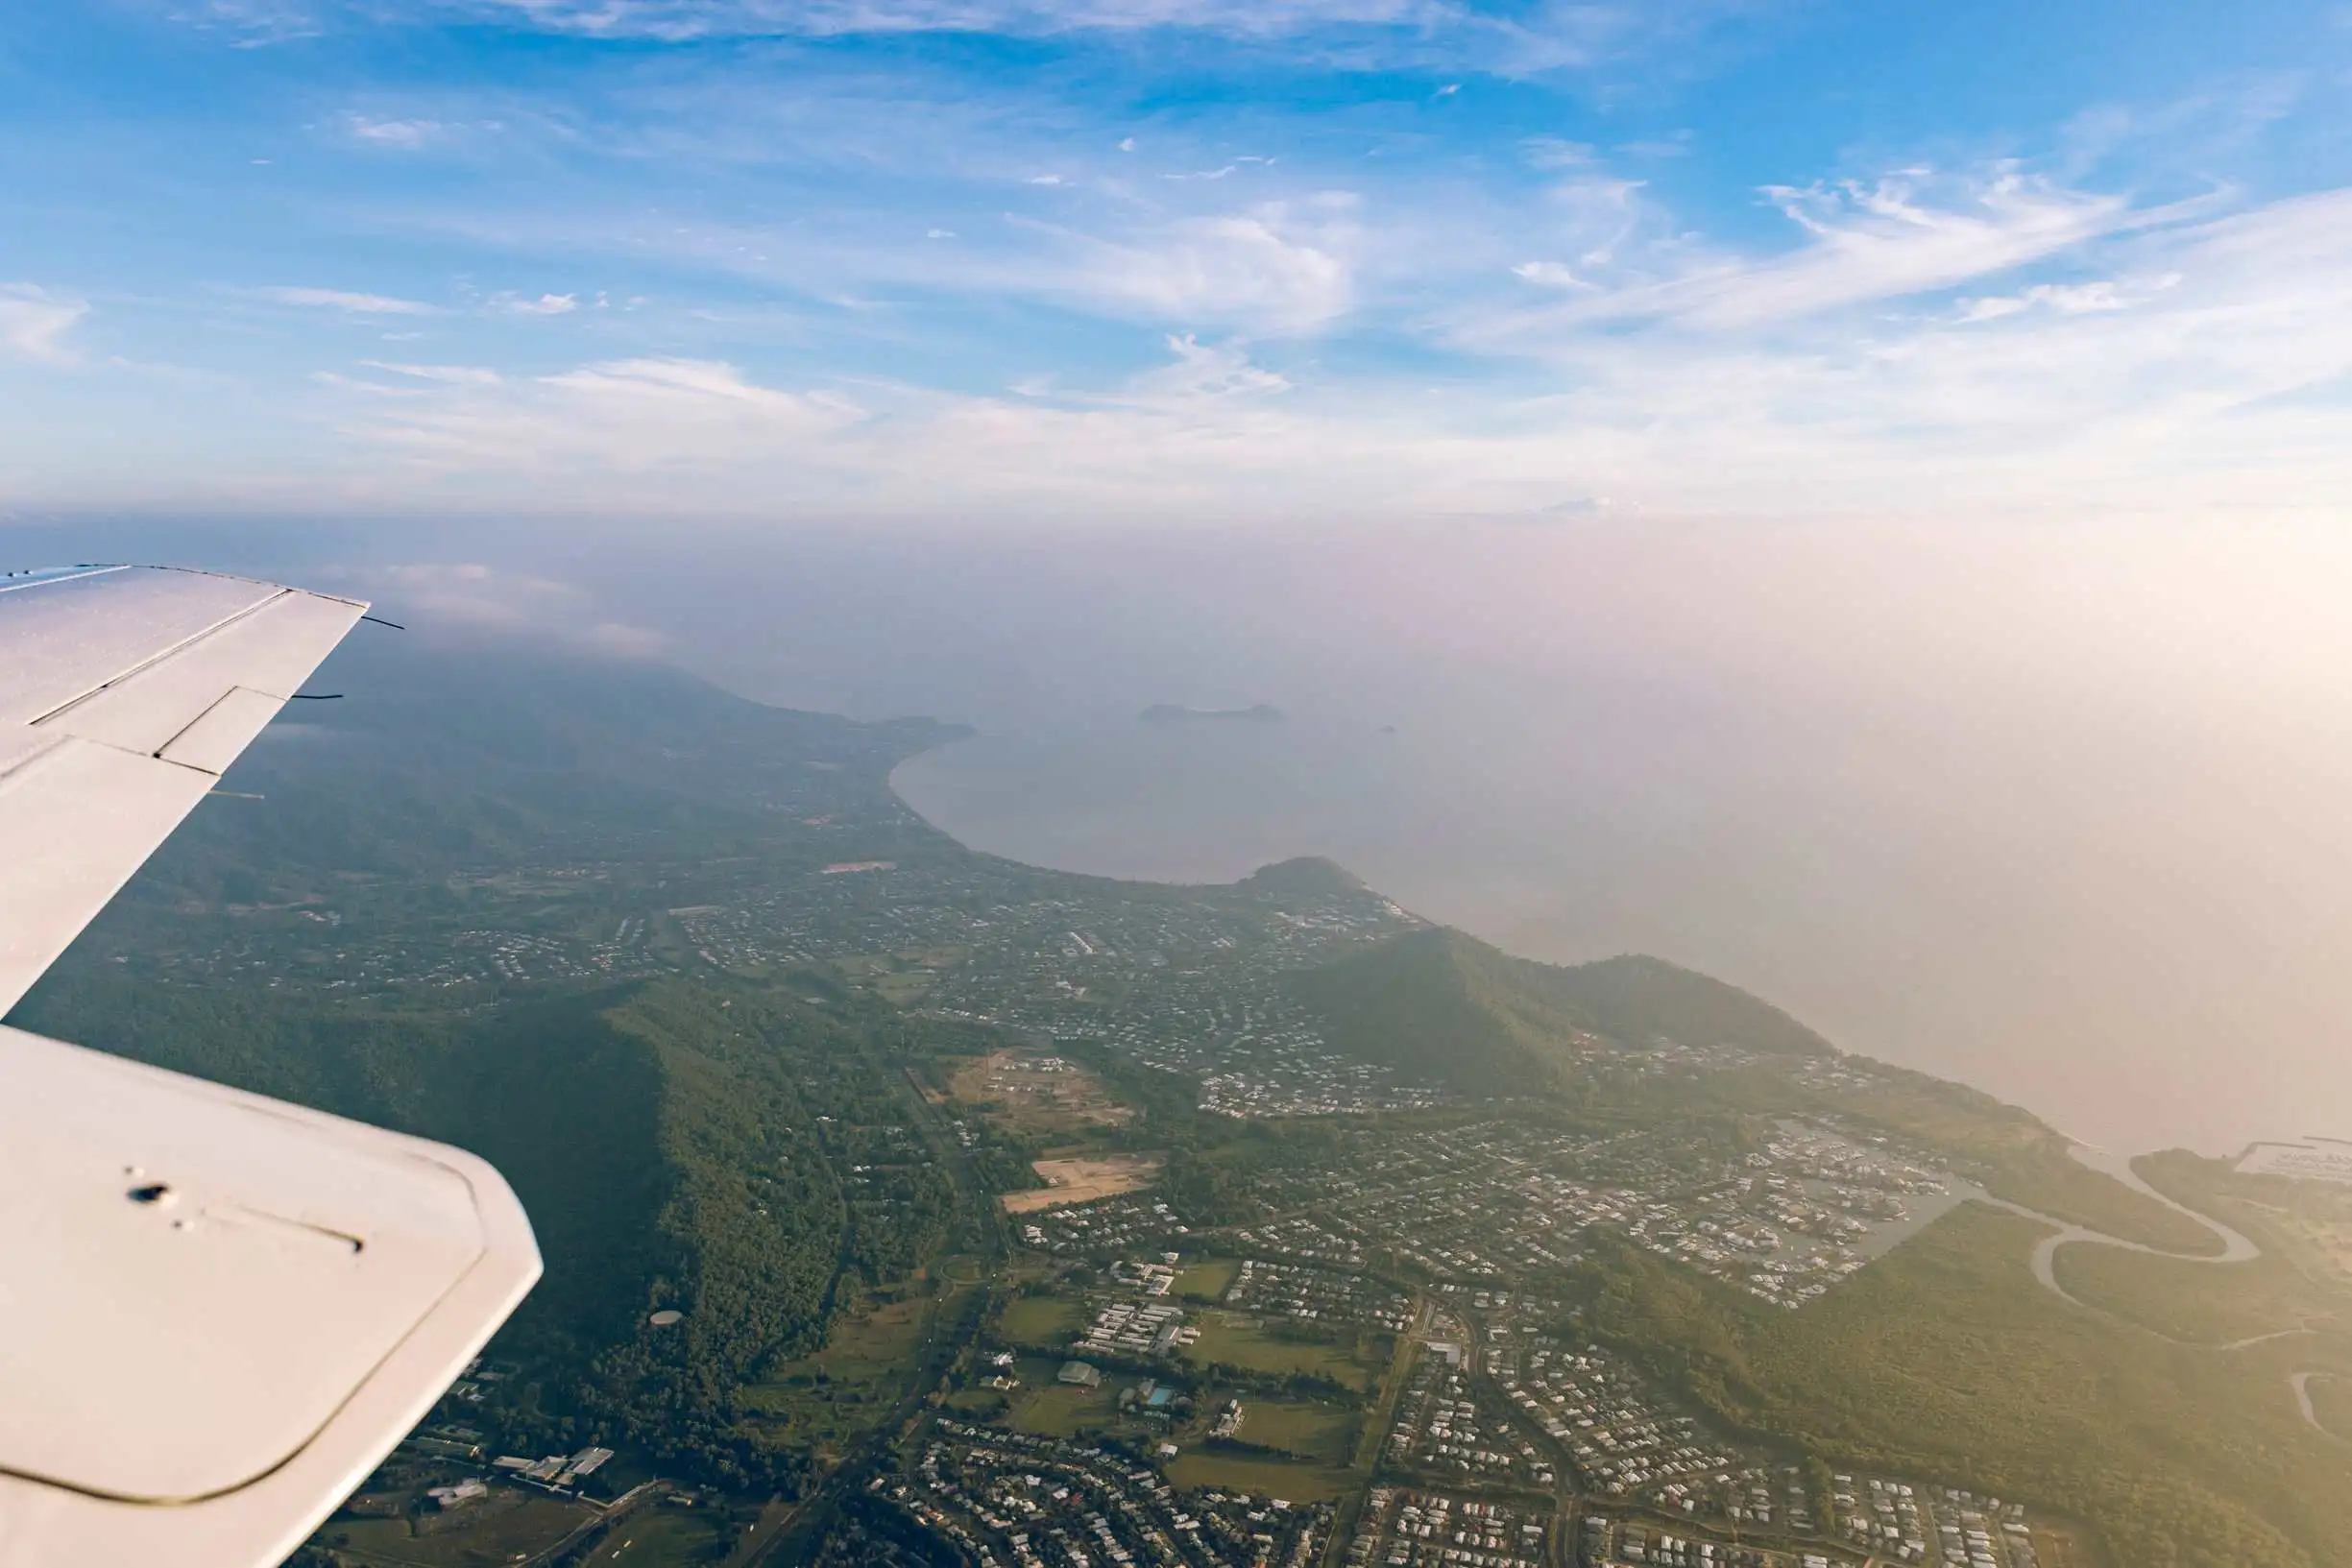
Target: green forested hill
[441, 759]
[684, 969]
[1946, 1359]
[676, 1144]
[1441, 1004]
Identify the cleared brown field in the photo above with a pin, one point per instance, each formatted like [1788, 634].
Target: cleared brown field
[1082, 1180]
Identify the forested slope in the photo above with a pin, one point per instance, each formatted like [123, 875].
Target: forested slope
[1444, 1005]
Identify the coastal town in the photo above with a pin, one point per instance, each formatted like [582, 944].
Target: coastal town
[1115, 1244]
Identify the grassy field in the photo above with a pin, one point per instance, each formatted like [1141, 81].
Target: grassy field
[1269, 1478]
[1046, 1321]
[1313, 1431]
[1233, 1339]
[1053, 1410]
[1209, 1279]
[829, 1398]
[496, 1537]
[664, 1538]
[1948, 1361]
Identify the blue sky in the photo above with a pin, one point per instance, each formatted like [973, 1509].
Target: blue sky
[1166, 258]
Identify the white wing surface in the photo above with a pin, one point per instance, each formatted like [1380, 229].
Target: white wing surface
[217, 1313]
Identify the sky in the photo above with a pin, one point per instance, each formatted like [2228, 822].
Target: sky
[1848, 495]
[1125, 262]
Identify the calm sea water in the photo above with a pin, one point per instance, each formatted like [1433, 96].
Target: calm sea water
[2057, 810]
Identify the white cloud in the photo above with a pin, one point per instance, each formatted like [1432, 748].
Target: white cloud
[461, 597]
[1881, 241]
[1204, 371]
[547, 305]
[1551, 274]
[407, 134]
[34, 322]
[358, 304]
[2067, 299]
[1449, 35]
[681, 19]
[1280, 267]
[2221, 391]
[462, 375]
[251, 24]
[647, 417]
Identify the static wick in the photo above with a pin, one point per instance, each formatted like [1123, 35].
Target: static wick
[318, 696]
[382, 621]
[237, 794]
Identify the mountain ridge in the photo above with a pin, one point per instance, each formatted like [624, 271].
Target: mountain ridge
[1441, 1003]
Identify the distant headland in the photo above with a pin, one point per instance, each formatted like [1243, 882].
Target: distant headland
[1163, 713]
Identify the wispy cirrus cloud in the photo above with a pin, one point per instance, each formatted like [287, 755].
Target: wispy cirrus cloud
[353, 303]
[1502, 36]
[404, 135]
[1904, 235]
[1274, 267]
[34, 323]
[708, 18]
[669, 417]
[2210, 376]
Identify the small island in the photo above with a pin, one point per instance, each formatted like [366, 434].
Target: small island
[1162, 713]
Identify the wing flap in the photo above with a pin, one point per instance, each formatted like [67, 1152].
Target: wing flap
[221, 731]
[270, 648]
[137, 687]
[217, 1313]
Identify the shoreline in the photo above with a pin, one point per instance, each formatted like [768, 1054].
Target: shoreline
[2078, 1145]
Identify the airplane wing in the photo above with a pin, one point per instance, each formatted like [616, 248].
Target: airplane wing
[218, 1313]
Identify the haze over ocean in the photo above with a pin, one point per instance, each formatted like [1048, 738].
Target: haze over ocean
[1997, 809]
[2054, 809]
[1030, 362]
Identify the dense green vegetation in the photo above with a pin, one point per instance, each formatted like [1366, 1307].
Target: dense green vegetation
[748, 1144]
[1948, 1359]
[2191, 1300]
[1442, 1006]
[677, 1143]
[1446, 1007]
